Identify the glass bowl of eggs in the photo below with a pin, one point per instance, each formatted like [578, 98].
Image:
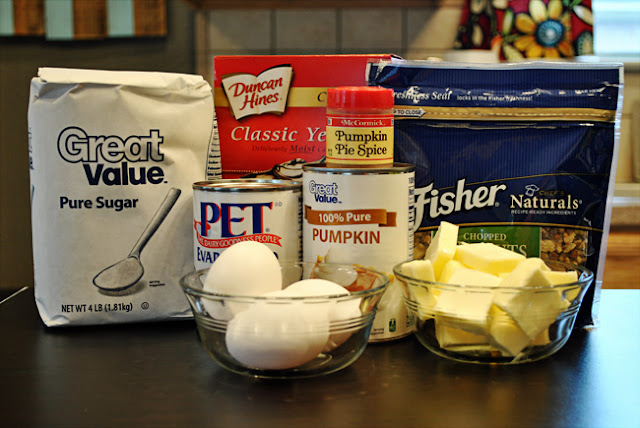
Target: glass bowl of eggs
[501, 322]
[260, 317]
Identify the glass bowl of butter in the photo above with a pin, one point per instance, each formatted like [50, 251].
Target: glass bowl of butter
[481, 303]
[313, 319]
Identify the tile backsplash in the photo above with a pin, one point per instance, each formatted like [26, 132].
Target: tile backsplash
[413, 33]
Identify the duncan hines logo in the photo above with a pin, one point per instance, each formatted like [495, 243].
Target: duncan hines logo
[436, 202]
[324, 193]
[265, 93]
[108, 159]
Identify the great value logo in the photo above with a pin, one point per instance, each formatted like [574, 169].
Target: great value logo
[324, 193]
[100, 153]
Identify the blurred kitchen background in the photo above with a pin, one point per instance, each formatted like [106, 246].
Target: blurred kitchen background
[184, 36]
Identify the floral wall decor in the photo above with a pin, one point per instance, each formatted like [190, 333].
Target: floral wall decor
[528, 29]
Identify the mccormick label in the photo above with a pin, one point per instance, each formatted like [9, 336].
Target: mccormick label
[229, 211]
[358, 139]
[362, 217]
[271, 110]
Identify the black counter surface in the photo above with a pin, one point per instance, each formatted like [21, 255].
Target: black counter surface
[158, 374]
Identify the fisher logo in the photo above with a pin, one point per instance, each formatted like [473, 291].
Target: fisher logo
[107, 159]
[265, 93]
[324, 193]
[436, 202]
[539, 201]
[232, 223]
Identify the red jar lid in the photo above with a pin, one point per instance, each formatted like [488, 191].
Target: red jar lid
[360, 97]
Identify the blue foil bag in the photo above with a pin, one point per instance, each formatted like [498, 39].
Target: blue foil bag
[521, 155]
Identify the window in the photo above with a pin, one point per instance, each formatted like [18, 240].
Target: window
[617, 28]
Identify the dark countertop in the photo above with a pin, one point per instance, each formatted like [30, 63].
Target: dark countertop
[155, 375]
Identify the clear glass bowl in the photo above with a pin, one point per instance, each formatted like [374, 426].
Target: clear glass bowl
[288, 337]
[494, 324]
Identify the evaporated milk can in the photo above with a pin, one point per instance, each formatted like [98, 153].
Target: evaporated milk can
[362, 216]
[228, 211]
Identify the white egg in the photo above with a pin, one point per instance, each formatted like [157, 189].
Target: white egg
[220, 310]
[339, 255]
[247, 268]
[272, 336]
[314, 287]
[342, 311]
[344, 276]
[392, 301]
[335, 310]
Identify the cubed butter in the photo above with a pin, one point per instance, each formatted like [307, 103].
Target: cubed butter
[442, 247]
[447, 271]
[419, 269]
[532, 310]
[568, 277]
[426, 301]
[424, 297]
[449, 337]
[464, 310]
[508, 336]
[455, 272]
[515, 312]
[488, 257]
[542, 339]
[505, 333]
[557, 277]
[527, 273]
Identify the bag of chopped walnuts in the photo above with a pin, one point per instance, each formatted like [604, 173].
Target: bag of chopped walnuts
[522, 155]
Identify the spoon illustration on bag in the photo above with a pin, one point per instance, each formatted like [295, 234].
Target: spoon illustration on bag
[127, 272]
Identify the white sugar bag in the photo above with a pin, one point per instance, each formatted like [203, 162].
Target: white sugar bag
[113, 155]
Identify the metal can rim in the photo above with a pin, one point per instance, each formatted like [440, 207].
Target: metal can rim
[247, 185]
[397, 168]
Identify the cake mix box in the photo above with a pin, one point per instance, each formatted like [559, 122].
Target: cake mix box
[271, 110]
